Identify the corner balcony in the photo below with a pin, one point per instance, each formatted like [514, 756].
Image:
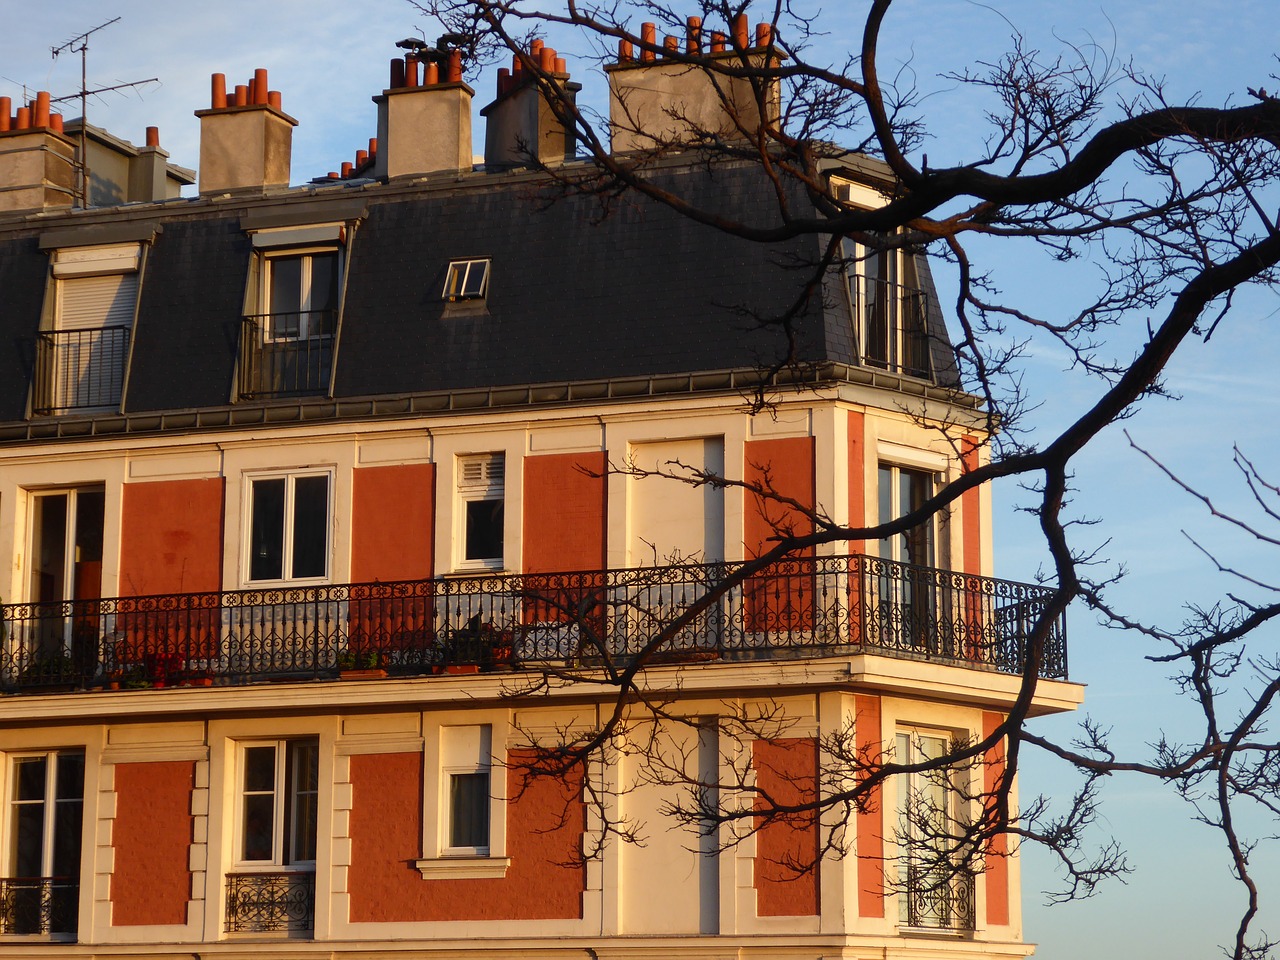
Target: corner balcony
[798, 608]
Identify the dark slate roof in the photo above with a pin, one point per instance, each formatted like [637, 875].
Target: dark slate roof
[571, 296]
[189, 313]
[23, 269]
[576, 293]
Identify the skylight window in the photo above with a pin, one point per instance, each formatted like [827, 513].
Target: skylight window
[466, 280]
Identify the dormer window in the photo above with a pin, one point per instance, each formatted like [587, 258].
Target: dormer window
[466, 280]
[291, 316]
[889, 309]
[81, 358]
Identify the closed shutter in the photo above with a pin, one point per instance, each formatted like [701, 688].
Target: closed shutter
[89, 302]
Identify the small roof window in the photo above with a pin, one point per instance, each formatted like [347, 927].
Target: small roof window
[466, 280]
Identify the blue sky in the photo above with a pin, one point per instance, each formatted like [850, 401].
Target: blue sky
[329, 58]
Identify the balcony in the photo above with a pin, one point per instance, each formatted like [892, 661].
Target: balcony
[286, 354]
[891, 321]
[938, 899]
[804, 607]
[39, 906]
[280, 902]
[80, 369]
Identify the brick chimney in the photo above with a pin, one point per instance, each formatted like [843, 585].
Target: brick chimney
[424, 119]
[657, 100]
[520, 121]
[246, 140]
[37, 160]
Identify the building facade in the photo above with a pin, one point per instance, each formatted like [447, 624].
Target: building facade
[333, 510]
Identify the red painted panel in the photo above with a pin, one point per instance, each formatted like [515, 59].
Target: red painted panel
[171, 537]
[781, 598]
[544, 839]
[857, 476]
[152, 834]
[870, 825]
[565, 501]
[786, 864]
[392, 522]
[972, 507]
[997, 866]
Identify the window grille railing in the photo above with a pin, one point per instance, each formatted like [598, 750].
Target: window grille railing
[283, 902]
[286, 354]
[939, 898]
[803, 607]
[39, 906]
[80, 369]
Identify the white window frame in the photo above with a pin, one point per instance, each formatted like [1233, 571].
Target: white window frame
[286, 563]
[49, 802]
[463, 748]
[284, 807]
[306, 299]
[459, 276]
[913, 785]
[894, 548]
[488, 487]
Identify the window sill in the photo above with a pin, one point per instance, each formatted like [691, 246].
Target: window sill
[464, 868]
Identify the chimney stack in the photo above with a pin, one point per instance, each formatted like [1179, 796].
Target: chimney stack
[246, 140]
[661, 100]
[37, 162]
[520, 121]
[424, 119]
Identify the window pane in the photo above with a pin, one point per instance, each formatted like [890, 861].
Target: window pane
[70, 784]
[484, 529]
[473, 286]
[259, 769]
[304, 758]
[310, 526]
[68, 815]
[324, 282]
[28, 778]
[28, 840]
[469, 810]
[266, 538]
[286, 285]
[259, 827]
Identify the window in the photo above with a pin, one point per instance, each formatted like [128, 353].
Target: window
[289, 527]
[80, 362]
[935, 892]
[901, 491]
[278, 790]
[481, 508]
[287, 342]
[889, 309]
[301, 293]
[465, 765]
[41, 886]
[466, 280]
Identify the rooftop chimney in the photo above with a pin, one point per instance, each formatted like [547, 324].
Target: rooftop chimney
[120, 172]
[424, 119]
[520, 121]
[37, 162]
[657, 99]
[245, 140]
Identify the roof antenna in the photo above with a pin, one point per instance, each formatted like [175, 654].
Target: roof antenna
[80, 44]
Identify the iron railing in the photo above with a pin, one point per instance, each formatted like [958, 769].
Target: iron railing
[803, 607]
[79, 369]
[286, 354]
[892, 326]
[39, 906]
[942, 899]
[283, 902]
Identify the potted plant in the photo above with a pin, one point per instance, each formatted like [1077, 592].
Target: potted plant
[360, 665]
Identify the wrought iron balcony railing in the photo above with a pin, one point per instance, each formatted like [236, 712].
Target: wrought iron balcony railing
[938, 898]
[39, 906]
[286, 354]
[892, 326]
[282, 902]
[80, 369]
[803, 607]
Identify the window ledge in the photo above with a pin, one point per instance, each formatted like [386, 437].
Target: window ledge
[464, 868]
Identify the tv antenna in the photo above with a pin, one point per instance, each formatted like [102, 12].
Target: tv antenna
[80, 44]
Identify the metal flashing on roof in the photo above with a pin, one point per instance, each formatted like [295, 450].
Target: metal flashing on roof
[328, 210]
[133, 231]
